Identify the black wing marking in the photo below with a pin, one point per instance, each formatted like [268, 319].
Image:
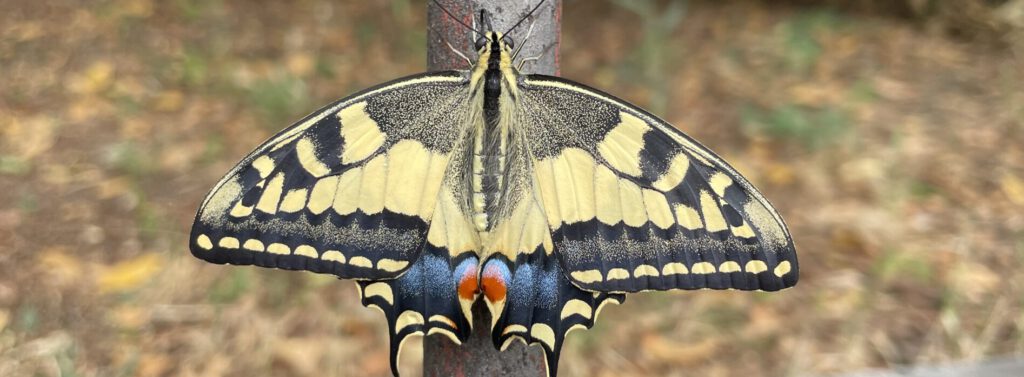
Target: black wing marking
[349, 190]
[634, 204]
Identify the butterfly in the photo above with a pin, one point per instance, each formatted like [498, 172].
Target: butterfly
[542, 197]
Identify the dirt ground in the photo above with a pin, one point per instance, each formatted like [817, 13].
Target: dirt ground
[892, 146]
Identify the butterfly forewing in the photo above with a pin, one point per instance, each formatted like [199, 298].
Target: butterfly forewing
[350, 190]
[635, 205]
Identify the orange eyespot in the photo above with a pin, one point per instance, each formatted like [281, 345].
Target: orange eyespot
[468, 287]
[494, 286]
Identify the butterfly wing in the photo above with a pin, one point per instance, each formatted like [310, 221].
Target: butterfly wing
[358, 189]
[634, 204]
[628, 203]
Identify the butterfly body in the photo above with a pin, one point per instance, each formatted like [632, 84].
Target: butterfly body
[543, 197]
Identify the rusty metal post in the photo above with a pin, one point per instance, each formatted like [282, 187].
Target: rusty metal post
[477, 356]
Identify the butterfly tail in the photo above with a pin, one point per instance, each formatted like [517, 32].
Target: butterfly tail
[433, 297]
[534, 302]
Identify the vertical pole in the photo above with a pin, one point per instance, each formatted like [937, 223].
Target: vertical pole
[477, 356]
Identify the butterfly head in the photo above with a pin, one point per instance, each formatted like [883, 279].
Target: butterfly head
[494, 42]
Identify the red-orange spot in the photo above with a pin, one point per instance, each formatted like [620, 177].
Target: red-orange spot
[468, 287]
[494, 287]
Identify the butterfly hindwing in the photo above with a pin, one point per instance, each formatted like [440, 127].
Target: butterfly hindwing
[434, 296]
[349, 190]
[634, 204]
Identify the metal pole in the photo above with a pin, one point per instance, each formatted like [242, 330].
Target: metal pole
[477, 356]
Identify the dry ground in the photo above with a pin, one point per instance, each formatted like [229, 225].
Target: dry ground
[892, 148]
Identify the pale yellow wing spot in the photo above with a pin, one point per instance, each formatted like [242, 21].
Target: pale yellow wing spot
[408, 318]
[253, 244]
[633, 211]
[204, 242]
[688, 217]
[435, 173]
[264, 165]
[617, 274]
[729, 266]
[361, 133]
[622, 145]
[513, 328]
[294, 201]
[783, 268]
[743, 231]
[408, 164]
[574, 169]
[322, 196]
[382, 290]
[702, 268]
[228, 243]
[271, 195]
[576, 306]
[713, 218]
[443, 319]
[606, 187]
[360, 261]
[333, 255]
[306, 250]
[588, 276]
[755, 267]
[391, 265]
[674, 268]
[675, 174]
[346, 197]
[645, 270]
[658, 209]
[306, 151]
[371, 194]
[545, 177]
[279, 248]
[544, 334]
[719, 182]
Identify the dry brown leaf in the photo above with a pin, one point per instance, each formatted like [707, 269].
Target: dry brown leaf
[5, 318]
[301, 355]
[151, 364]
[61, 267]
[130, 274]
[169, 100]
[1013, 187]
[94, 79]
[29, 137]
[677, 353]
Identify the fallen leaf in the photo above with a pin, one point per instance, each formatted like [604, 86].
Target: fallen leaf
[678, 353]
[130, 274]
[59, 266]
[94, 79]
[1013, 187]
[301, 356]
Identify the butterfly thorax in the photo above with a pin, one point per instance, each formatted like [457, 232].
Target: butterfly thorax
[494, 91]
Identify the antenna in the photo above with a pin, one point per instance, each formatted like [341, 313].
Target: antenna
[524, 17]
[458, 20]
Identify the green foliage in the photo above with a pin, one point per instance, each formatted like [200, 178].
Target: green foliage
[230, 287]
[896, 264]
[13, 165]
[814, 128]
[280, 99]
[653, 52]
[801, 49]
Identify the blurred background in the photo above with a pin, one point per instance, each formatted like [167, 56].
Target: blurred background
[889, 134]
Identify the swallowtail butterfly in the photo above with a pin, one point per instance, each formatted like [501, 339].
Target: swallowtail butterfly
[546, 197]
